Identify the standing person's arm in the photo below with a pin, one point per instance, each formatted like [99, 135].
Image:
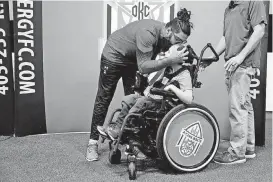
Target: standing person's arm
[145, 41]
[221, 47]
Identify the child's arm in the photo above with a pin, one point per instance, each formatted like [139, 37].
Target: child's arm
[185, 96]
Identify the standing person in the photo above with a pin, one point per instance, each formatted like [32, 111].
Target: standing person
[244, 26]
[133, 47]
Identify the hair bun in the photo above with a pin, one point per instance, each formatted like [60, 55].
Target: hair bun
[184, 15]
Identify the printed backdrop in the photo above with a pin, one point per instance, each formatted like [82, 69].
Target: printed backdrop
[121, 12]
[41, 34]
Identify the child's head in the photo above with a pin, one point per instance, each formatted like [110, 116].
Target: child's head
[179, 29]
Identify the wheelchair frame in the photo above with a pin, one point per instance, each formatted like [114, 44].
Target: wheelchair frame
[115, 154]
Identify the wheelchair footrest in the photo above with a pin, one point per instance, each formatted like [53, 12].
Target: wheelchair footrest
[131, 129]
[131, 157]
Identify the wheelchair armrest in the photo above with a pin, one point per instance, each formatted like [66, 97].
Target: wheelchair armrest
[157, 91]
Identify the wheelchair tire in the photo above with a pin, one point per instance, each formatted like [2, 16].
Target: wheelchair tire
[193, 140]
[132, 170]
[114, 158]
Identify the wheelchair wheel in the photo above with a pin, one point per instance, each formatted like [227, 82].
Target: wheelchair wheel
[188, 138]
[132, 170]
[114, 157]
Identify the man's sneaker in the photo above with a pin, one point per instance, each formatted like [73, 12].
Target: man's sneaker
[139, 155]
[250, 154]
[92, 152]
[228, 158]
[101, 130]
[113, 131]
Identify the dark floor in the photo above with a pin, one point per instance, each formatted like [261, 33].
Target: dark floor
[62, 158]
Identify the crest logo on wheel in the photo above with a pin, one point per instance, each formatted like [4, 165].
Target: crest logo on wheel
[190, 140]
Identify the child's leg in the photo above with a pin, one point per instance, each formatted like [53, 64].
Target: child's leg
[145, 103]
[137, 104]
[141, 105]
[127, 103]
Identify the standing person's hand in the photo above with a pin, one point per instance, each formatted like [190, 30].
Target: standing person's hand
[205, 64]
[233, 63]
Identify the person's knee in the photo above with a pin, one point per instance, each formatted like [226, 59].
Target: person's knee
[129, 99]
[142, 100]
[140, 105]
[125, 105]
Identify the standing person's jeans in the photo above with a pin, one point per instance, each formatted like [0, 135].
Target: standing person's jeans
[110, 73]
[136, 104]
[241, 114]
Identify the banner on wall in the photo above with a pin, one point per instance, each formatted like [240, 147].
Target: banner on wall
[119, 13]
[269, 86]
[29, 82]
[269, 48]
[258, 89]
[6, 72]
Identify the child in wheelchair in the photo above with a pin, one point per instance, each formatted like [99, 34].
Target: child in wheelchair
[176, 78]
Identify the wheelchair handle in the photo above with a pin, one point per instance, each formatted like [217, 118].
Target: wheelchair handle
[215, 59]
[164, 93]
[201, 59]
[191, 52]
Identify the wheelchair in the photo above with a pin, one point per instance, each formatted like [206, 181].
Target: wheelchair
[184, 137]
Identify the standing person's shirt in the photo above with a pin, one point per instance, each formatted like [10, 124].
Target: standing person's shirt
[142, 35]
[238, 27]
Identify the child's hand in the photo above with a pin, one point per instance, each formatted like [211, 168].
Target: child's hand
[168, 88]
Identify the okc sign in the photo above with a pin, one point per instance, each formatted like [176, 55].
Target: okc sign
[117, 14]
[140, 10]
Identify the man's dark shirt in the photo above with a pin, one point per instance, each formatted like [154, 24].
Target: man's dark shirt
[139, 37]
